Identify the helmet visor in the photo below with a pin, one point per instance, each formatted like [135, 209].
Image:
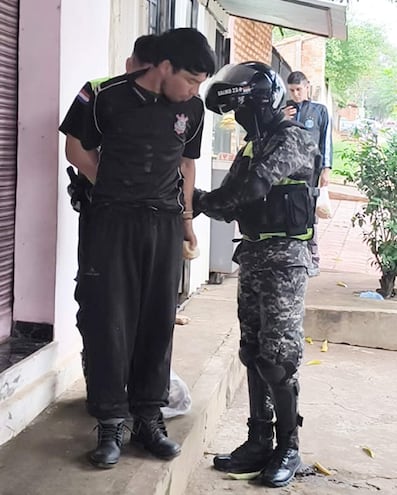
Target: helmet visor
[228, 88]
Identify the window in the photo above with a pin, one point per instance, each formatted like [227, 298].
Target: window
[168, 14]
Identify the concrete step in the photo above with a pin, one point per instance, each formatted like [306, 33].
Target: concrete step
[49, 458]
[334, 311]
[345, 192]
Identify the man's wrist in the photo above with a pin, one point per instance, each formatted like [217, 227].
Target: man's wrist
[187, 215]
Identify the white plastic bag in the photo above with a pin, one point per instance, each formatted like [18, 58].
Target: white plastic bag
[179, 399]
[323, 205]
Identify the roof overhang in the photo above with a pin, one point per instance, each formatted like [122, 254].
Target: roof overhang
[321, 17]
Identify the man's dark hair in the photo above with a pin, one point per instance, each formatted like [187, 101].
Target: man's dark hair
[145, 48]
[186, 48]
[297, 77]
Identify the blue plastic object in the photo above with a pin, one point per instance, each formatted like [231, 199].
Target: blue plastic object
[371, 295]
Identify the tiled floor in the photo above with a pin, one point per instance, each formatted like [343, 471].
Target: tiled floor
[341, 245]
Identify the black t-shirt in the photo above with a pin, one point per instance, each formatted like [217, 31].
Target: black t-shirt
[142, 138]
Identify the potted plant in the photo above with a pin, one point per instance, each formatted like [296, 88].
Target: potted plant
[374, 162]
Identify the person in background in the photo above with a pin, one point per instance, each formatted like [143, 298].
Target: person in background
[314, 116]
[270, 191]
[145, 124]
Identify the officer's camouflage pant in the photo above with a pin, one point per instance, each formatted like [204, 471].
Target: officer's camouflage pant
[271, 310]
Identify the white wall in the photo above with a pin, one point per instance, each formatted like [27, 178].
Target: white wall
[84, 55]
[128, 21]
[199, 269]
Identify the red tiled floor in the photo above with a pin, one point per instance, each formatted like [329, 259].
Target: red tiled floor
[341, 245]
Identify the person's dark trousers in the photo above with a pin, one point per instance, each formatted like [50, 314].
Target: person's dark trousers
[127, 292]
[83, 239]
[82, 250]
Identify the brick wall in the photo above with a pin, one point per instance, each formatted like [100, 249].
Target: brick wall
[307, 54]
[351, 112]
[251, 40]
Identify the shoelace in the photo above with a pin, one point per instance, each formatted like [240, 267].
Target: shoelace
[109, 432]
[154, 427]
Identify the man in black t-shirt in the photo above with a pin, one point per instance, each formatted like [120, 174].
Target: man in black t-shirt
[80, 187]
[145, 124]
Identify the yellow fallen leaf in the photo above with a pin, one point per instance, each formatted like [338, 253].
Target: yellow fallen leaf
[341, 284]
[244, 476]
[313, 361]
[369, 452]
[309, 340]
[321, 469]
[324, 347]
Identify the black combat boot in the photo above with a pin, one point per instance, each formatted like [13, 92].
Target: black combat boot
[110, 439]
[151, 433]
[253, 454]
[283, 464]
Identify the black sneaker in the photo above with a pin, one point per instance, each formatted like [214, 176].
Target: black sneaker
[151, 433]
[110, 439]
[281, 468]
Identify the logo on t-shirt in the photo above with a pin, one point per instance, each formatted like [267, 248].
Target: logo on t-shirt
[309, 123]
[180, 124]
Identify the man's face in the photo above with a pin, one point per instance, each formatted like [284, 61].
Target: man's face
[181, 85]
[299, 92]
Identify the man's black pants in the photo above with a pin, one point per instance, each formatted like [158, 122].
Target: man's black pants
[127, 292]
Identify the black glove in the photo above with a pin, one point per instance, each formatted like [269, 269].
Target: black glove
[198, 208]
[217, 204]
[79, 189]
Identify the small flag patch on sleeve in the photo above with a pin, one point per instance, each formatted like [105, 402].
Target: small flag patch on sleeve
[83, 96]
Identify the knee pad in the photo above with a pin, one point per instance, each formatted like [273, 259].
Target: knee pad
[248, 354]
[275, 374]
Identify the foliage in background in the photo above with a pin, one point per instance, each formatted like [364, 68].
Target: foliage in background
[340, 166]
[352, 65]
[376, 177]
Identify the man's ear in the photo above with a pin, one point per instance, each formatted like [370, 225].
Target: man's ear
[128, 65]
[165, 67]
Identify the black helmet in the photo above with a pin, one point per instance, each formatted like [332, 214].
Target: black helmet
[252, 89]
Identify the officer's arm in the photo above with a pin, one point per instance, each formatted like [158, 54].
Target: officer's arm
[85, 160]
[221, 203]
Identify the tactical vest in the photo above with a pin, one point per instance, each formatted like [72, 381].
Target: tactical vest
[287, 211]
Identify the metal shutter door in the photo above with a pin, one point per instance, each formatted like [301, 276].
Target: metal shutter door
[9, 16]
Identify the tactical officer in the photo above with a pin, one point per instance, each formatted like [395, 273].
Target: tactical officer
[270, 191]
[145, 126]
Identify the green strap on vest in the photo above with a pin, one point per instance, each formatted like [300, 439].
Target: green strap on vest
[264, 236]
[248, 152]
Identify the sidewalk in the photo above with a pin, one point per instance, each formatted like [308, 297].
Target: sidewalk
[341, 245]
[348, 403]
[48, 457]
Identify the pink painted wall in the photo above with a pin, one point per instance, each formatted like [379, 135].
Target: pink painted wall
[36, 210]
